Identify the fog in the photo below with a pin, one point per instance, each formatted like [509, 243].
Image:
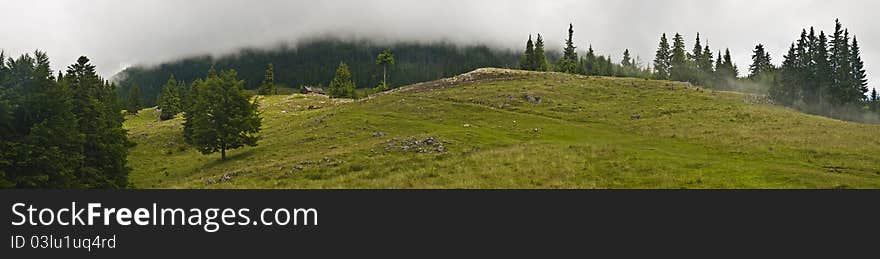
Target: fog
[117, 34]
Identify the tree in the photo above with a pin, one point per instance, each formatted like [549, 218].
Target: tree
[760, 62]
[627, 59]
[99, 118]
[697, 54]
[135, 101]
[385, 59]
[662, 59]
[823, 73]
[568, 63]
[169, 100]
[342, 86]
[540, 59]
[860, 79]
[527, 60]
[224, 117]
[268, 85]
[679, 64]
[40, 143]
[875, 101]
[786, 91]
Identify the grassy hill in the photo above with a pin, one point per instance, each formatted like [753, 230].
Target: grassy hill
[486, 129]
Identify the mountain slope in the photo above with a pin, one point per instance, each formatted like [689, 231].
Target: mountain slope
[486, 129]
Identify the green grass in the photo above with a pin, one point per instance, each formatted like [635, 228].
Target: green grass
[581, 135]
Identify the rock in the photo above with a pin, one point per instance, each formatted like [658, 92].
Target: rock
[532, 98]
[635, 116]
[312, 107]
[536, 129]
[378, 134]
[466, 125]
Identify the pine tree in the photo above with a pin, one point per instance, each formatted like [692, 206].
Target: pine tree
[268, 85]
[627, 60]
[860, 79]
[568, 63]
[224, 117]
[590, 62]
[823, 72]
[786, 91]
[169, 100]
[385, 59]
[679, 64]
[697, 54]
[342, 86]
[527, 60]
[134, 102]
[105, 143]
[761, 63]
[662, 59]
[875, 101]
[540, 59]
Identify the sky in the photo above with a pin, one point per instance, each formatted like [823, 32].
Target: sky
[117, 34]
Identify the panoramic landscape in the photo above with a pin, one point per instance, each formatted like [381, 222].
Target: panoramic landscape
[790, 107]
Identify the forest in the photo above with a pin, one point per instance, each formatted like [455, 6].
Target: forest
[313, 62]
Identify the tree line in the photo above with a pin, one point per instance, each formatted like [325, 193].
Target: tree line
[820, 74]
[314, 62]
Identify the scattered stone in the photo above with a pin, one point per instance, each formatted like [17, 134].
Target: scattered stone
[313, 107]
[635, 116]
[427, 145]
[378, 134]
[227, 177]
[536, 129]
[466, 125]
[532, 98]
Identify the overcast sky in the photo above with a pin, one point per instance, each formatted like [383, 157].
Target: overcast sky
[116, 34]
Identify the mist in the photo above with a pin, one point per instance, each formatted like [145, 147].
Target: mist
[118, 34]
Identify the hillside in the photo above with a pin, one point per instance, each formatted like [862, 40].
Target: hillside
[313, 62]
[495, 128]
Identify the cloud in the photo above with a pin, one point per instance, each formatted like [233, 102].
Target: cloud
[116, 34]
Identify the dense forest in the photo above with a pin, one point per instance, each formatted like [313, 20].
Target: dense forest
[314, 62]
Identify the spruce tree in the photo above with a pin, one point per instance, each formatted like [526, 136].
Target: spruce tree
[342, 86]
[679, 63]
[786, 91]
[823, 72]
[591, 66]
[627, 60]
[860, 79]
[223, 115]
[134, 102]
[540, 58]
[169, 100]
[527, 60]
[761, 63]
[662, 59]
[697, 54]
[568, 63]
[105, 143]
[268, 85]
[875, 101]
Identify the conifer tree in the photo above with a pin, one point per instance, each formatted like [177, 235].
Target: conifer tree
[105, 143]
[568, 63]
[385, 59]
[679, 64]
[342, 86]
[823, 74]
[527, 60]
[860, 79]
[134, 102]
[786, 91]
[268, 85]
[697, 54]
[169, 100]
[627, 60]
[662, 59]
[591, 66]
[540, 59]
[223, 115]
[760, 62]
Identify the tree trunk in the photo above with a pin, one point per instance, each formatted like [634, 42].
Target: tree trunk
[385, 75]
[222, 153]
